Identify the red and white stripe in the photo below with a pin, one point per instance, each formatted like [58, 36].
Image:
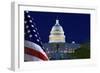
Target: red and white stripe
[34, 52]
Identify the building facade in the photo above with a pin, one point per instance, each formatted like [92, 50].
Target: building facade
[57, 48]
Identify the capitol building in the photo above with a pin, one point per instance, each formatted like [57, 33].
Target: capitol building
[57, 48]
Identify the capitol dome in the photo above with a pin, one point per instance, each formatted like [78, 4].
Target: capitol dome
[57, 33]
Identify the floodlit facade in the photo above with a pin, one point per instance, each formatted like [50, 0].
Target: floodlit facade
[57, 47]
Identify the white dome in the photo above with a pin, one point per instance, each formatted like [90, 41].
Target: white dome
[57, 33]
[57, 28]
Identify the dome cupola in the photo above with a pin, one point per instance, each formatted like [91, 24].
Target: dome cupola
[57, 33]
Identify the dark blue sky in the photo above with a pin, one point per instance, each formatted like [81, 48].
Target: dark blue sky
[76, 26]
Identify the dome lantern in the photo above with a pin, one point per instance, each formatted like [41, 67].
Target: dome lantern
[57, 22]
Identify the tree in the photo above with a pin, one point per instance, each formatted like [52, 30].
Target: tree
[82, 52]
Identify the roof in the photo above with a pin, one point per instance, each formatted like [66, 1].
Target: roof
[51, 46]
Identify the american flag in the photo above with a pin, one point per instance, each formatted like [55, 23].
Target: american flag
[33, 49]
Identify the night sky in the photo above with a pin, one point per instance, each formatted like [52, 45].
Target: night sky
[76, 26]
